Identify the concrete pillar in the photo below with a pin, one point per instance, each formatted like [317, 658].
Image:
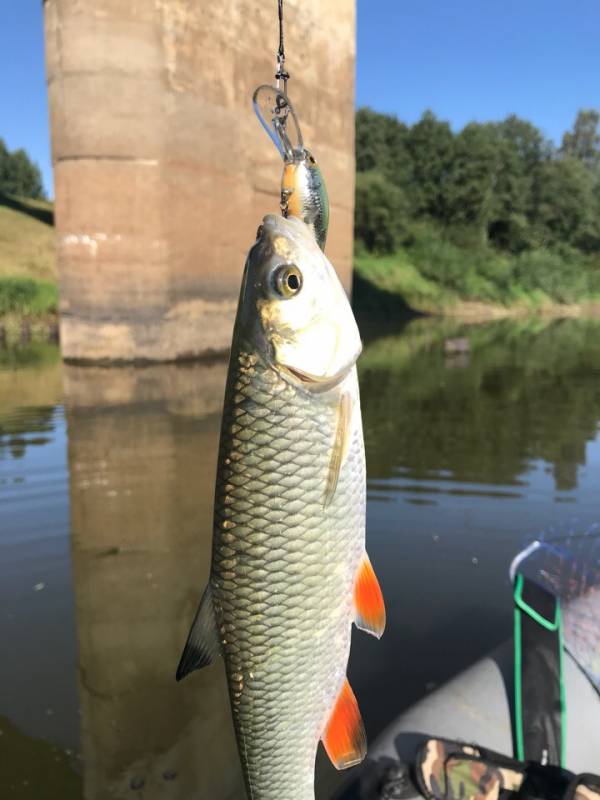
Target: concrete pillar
[162, 172]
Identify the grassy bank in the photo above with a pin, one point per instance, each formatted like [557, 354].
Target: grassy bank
[27, 247]
[28, 270]
[27, 296]
[429, 274]
[433, 275]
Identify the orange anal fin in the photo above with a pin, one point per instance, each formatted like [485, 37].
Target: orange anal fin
[344, 738]
[368, 600]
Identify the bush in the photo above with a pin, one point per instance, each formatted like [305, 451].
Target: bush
[27, 296]
[564, 276]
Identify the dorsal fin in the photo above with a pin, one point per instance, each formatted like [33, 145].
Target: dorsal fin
[344, 738]
[368, 600]
[203, 642]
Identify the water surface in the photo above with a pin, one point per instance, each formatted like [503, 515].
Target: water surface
[477, 439]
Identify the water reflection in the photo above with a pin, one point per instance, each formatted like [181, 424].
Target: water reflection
[30, 386]
[142, 454]
[476, 437]
[465, 462]
[529, 390]
[38, 698]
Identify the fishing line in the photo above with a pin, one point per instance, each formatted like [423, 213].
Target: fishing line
[273, 107]
[281, 74]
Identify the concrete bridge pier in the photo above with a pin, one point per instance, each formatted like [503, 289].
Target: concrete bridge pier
[162, 173]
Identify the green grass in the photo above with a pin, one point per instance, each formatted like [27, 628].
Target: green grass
[27, 296]
[28, 269]
[27, 244]
[397, 275]
[432, 274]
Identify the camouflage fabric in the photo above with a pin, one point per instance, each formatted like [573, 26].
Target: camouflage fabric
[468, 778]
[512, 778]
[432, 764]
[456, 771]
[448, 770]
[585, 787]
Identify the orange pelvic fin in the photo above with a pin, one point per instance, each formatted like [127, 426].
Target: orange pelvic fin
[344, 738]
[368, 600]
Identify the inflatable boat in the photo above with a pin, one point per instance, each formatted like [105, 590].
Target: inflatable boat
[530, 708]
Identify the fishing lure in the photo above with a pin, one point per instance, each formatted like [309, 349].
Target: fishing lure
[303, 189]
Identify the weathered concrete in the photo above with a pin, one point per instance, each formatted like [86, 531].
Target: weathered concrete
[162, 172]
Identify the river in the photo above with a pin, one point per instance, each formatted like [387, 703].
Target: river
[478, 438]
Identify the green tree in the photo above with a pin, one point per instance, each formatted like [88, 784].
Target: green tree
[521, 149]
[381, 146]
[564, 201]
[380, 212]
[430, 144]
[527, 141]
[583, 142]
[470, 185]
[4, 164]
[495, 183]
[19, 175]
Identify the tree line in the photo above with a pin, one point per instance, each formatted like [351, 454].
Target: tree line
[498, 184]
[19, 175]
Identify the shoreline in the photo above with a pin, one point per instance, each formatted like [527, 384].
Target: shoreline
[475, 311]
[19, 329]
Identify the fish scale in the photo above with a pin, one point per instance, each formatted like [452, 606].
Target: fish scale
[283, 569]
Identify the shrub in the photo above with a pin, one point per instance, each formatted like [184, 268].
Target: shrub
[27, 296]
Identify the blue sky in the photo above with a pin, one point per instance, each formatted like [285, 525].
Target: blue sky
[23, 104]
[480, 59]
[465, 60]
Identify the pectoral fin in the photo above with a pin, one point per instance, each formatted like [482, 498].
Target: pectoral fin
[341, 443]
[368, 600]
[344, 738]
[203, 642]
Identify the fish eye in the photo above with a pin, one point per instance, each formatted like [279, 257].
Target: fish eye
[287, 280]
[259, 231]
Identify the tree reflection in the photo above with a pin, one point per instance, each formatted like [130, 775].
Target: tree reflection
[523, 391]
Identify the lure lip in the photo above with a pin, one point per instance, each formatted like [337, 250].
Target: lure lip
[276, 129]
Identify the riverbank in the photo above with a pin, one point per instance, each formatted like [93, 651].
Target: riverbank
[28, 270]
[400, 286]
[431, 278]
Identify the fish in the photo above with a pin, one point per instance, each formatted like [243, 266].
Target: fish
[304, 193]
[289, 572]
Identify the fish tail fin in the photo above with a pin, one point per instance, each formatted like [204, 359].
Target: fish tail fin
[203, 642]
[368, 600]
[344, 739]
